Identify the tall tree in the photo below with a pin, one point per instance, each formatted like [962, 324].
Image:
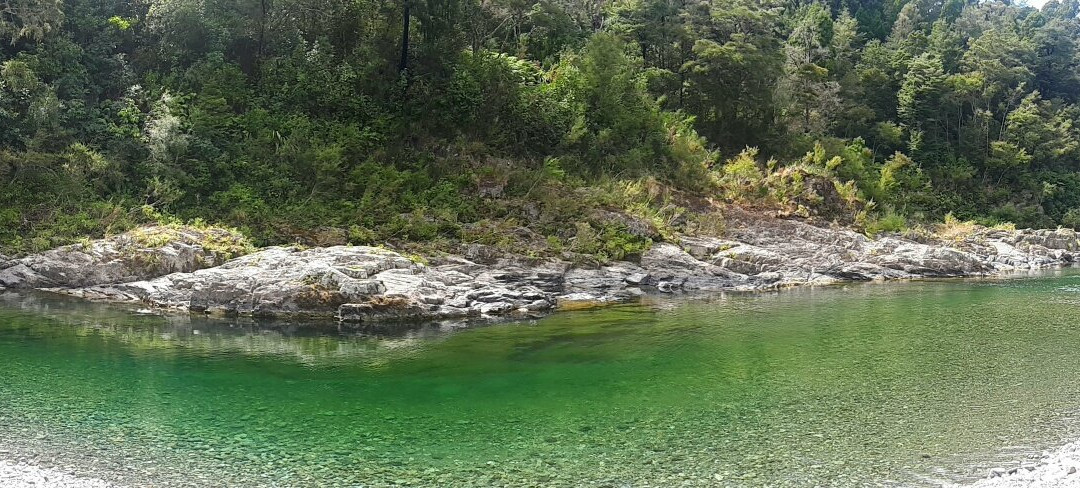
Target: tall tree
[811, 95]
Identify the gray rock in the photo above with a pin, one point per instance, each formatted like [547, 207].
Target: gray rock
[641, 279]
[364, 284]
[137, 255]
[355, 284]
[496, 308]
[591, 280]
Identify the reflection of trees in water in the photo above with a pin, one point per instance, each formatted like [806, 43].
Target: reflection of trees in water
[316, 343]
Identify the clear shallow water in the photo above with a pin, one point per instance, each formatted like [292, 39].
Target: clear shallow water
[879, 384]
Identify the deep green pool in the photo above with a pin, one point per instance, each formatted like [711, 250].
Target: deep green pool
[879, 384]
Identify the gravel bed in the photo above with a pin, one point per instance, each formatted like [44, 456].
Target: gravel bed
[21, 475]
[1059, 468]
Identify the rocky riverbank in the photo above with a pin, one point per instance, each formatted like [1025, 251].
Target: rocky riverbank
[20, 475]
[1057, 469]
[358, 284]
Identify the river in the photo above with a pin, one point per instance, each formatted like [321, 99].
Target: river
[895, 384]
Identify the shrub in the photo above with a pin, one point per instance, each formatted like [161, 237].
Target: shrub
[955, 229]
[889, 222]
[742, 179]
[610, 243]
[1072, 218]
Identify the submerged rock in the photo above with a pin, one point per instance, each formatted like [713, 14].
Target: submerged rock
[367, 285]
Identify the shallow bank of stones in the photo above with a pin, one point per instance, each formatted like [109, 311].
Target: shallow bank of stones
[358, 284]
[1057, 469]
[21, 475]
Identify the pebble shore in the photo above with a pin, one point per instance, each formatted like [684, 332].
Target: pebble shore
[1056, 469]
[1059, 468]
[19, 475]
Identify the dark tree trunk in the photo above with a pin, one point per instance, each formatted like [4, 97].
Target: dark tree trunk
[264, 6]
[404, 64]
[260, 51]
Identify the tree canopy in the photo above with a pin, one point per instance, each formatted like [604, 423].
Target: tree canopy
[384, 118]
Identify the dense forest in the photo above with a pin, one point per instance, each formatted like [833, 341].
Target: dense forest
[367, 121]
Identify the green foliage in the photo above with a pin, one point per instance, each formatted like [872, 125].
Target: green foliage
[903, 185]
[609, 243]
[1071, 218]
[920, 94]
[890, 222]
[730, 78]
[617, 126]
[742, 178]
[955, 229]
[120, 23]
[294, 123]
[29, 19]
[808, 87]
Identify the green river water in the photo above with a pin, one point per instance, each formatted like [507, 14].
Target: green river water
[862, 385]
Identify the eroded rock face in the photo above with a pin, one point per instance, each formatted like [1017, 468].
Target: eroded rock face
[137, 255]
[356, 284]
[370, 285]
[799, 253]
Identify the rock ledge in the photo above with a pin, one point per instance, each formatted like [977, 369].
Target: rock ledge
[358, 284]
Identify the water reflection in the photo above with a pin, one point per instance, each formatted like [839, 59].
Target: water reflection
[902, 383]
